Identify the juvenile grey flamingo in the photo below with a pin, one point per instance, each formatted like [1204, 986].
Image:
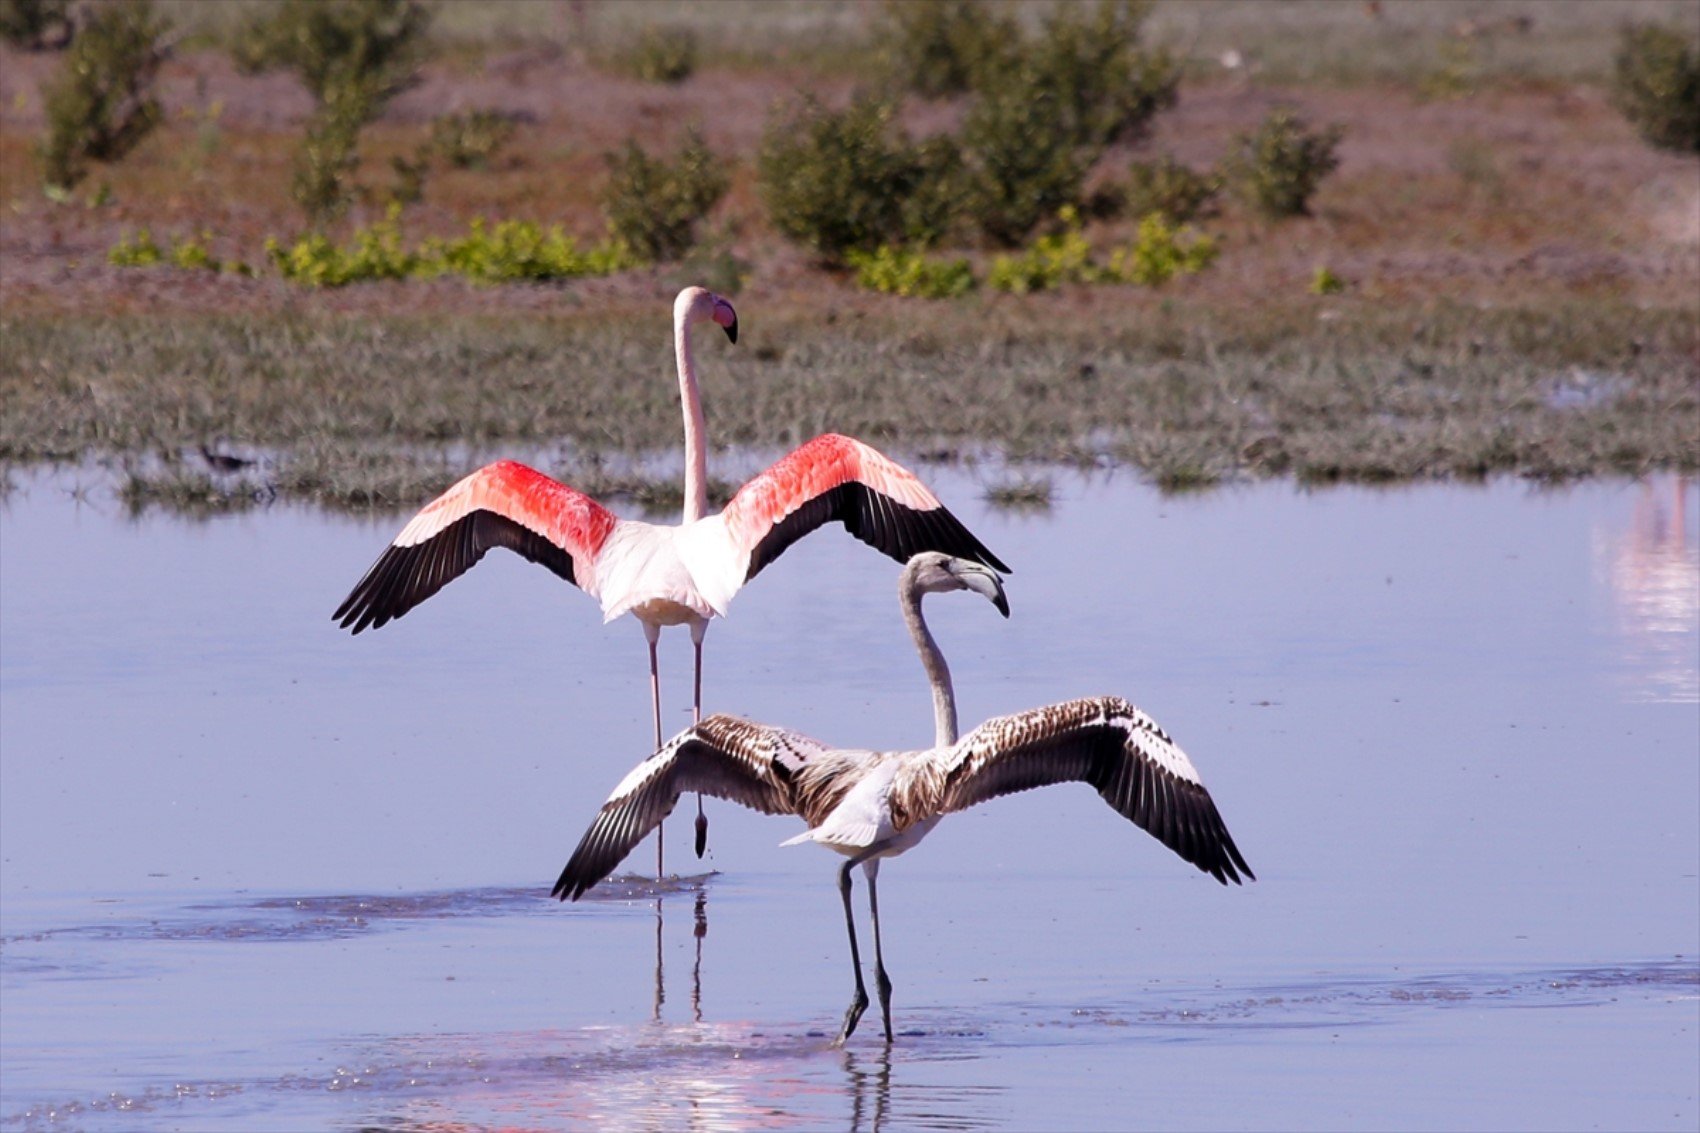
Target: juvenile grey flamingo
[871, 805]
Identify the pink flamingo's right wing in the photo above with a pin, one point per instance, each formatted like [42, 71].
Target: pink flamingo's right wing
[505, 504]
[839, 478]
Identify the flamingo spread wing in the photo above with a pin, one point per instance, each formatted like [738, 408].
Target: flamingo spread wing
[839, 478]
[747, 763]
[504, 504]
[1103, 741]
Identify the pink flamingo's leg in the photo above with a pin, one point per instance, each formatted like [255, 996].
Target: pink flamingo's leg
[697, 630]
[653, 633]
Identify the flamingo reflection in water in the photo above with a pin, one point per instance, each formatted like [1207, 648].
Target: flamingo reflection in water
[870, 805]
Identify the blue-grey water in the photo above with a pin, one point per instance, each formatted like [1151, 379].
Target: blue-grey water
[256, 873]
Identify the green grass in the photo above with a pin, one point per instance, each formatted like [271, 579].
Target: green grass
[357, 411]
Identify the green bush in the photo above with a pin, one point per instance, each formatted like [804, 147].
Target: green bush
[102, 102]
[1277, 168]
[1325, 281]
[908, 272]
[1090, 57]
[1053, 260]
[842, 180]
[1046, 116]
[1025, 165]
[944, 47]
[353, 56]
[190, 253]
[662, 55]
[653, 205]
[1160, 251]
[374, 46]
[323, 180]
[471, 141]
[138, 251]
[36, 25]
[1170, 189]
[1657, 86]
[509, 250]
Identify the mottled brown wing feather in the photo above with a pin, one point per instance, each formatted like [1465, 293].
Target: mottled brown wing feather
[1107, 743]
[723, 756]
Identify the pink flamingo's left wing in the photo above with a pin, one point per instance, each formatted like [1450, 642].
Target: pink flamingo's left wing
[839, 478]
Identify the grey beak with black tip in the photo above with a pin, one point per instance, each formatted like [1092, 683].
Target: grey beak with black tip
[982, 580]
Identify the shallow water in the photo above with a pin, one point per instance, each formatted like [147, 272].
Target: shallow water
[256, 873]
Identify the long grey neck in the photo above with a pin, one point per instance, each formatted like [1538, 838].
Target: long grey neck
[696, 452]
[938, 673]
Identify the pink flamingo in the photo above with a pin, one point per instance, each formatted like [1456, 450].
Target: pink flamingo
[662, 575]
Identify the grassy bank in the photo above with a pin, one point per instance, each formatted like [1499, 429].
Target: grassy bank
[357, 410]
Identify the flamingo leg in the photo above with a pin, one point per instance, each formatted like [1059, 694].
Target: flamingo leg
[697, 630]
[860, 1003]
[653, 634]
[883, 981]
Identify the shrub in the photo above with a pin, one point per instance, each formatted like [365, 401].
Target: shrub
[138, 251]
[1044, 119]
[374, 46]
[1657, 86]
[470, 141]
[102, 103]
[510, 250]
[1159, 252]
[653, 205]
[1277, 169]
[1109, 87]
[1170, 189]
[663, 55]
[189, 253]
[842, 180]
[521, 249]
[1053, 260]
[1025, 166]
[944, 47]
[908, 272]
[1325, 281]
[36, 25]
[323, 181]
[375, 253]
[353, 56]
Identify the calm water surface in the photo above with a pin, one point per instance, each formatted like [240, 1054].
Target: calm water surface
[257, 874]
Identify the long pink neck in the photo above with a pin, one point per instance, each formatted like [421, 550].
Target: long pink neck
[696, 451]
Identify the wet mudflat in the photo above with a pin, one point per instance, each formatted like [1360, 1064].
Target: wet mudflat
[258, 874]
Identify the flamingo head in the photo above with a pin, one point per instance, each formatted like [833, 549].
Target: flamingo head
[696, 303]
[933, 572]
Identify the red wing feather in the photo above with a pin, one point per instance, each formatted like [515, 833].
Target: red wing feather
[839, 478]
[505, 504]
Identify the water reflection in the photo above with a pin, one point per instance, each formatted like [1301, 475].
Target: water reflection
[1652, 568]
[869, 1079]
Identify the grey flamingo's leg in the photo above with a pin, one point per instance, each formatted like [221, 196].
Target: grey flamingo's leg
[882, 981]
[860, 1003]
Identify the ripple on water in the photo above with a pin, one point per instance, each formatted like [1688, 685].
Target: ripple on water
[332, 917]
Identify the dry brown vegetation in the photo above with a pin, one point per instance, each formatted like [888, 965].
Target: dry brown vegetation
[1521, 269]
